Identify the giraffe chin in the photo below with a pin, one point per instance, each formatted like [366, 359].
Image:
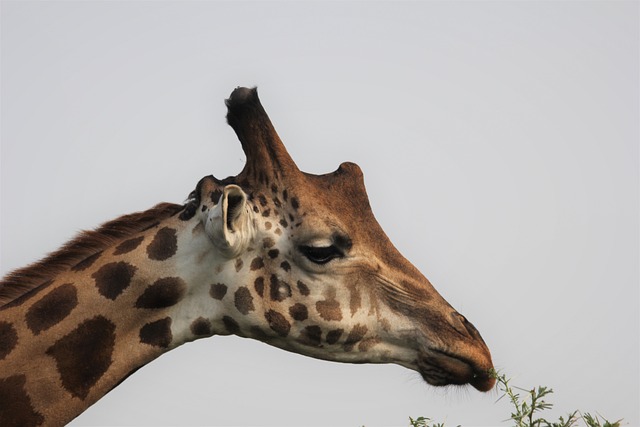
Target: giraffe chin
[441, 369]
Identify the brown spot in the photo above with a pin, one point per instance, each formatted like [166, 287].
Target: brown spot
[255, 209]
[266, 213]
[259, 285]
[87, 262]
[8, 340]
[277, 202]
[231, 325]
[268, 242]
[52, 308]
[299, 312]
[355, 301]
[16, 409]
[157, 334]
[243, 300]
[239, 264]
[267, 225]
[164, 244]
[329, 309]
[257, 263]
[279, 290]
[162, 293]
[334, 335]
[367, 343]
[278, 323]
[201, 327]
[278, 231]
[262, 200]
[274, 188]
[84, 355]
[311, 336]
[128, 245]
[218, 291]
[294, 203]
[304, 289]
[285, 195]
[357, 333]
[113, 278]
[273, 253]
[285, 266]
[284, 223]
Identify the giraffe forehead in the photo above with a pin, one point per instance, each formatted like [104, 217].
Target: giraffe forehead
[337, 205]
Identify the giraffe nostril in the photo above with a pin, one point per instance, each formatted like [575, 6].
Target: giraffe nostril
[472, 329]
[462, 325]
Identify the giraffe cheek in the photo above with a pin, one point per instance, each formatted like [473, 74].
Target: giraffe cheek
[243, 300]
[278, 323]
[329, 310]
[299, 312]
[311, 336]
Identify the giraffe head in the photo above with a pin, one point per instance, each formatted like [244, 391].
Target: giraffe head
[307, 267]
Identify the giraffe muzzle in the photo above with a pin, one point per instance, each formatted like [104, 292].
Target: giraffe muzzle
[459, 357]
[440, 368]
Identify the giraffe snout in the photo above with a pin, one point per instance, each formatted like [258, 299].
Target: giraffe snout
[456, 354]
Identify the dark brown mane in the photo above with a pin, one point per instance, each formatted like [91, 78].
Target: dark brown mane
[86, 244]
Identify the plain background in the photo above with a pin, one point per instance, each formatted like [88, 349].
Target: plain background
[499, 142]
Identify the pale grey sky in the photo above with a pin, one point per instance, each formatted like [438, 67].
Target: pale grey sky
[499, 142]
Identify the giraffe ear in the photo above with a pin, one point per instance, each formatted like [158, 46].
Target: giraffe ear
[229, 222]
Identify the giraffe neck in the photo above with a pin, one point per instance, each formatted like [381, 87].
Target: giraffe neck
[65, 344]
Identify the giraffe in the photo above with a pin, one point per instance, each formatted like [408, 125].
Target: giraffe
[292, 259]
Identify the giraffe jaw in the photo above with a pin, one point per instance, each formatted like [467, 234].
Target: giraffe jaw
[440, 368]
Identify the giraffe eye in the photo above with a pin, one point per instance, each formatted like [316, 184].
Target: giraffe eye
[321, 254]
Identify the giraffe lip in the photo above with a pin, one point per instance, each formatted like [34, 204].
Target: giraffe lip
[441, 368]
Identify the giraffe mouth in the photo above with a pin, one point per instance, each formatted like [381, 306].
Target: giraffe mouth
[440, 368]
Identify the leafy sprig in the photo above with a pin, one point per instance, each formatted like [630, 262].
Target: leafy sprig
[527, 408]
